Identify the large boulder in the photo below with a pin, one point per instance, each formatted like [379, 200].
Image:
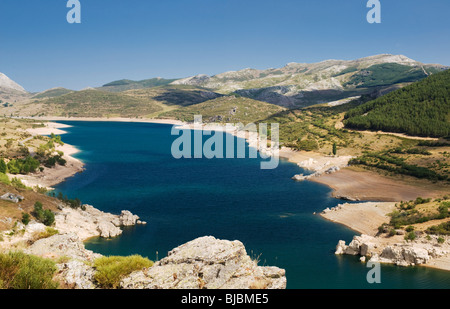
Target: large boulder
[210, 263]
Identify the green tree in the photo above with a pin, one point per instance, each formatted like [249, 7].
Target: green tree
[334, 149]
[25, 218]
[3, 167]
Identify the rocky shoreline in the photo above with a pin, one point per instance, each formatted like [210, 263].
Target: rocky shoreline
[205, 262]
[382, 247]
[202, 263]
[396, 251]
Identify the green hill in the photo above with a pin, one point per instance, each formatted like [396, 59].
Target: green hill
[51, 93]
[126, 84]
[132, 103]
[420, 109]
[388, 74]
[228, 109]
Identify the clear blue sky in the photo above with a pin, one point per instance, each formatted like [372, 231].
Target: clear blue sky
[139, 39]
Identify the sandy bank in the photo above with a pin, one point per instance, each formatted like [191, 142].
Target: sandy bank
[50, 177]
[358, 184]
[364, 218]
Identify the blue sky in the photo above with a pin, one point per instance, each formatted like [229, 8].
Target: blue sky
[139, 39]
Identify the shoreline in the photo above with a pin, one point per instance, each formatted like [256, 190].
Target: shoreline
[365, 217]
[345, 183]
[50, 177]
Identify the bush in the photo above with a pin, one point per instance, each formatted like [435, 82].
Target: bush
[410, 236]
[25, 218]
[440, 240]
[3, 167]
[441, 229]
[409, 229]
[23, 166]
[17, 183]
[49, 231]
[110, 270]
[4, 179]
[21, 271]
[44, 216]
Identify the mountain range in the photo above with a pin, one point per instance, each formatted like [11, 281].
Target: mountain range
[296, 85]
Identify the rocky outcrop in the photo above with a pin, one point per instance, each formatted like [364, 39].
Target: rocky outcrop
[74, 260]
[92, 222]
[207, 263]
[380, 250]
[61, 246]
[76, 274]
[202, 263]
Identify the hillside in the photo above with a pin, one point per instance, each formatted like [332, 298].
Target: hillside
[299, 84]
[228, 109]
[130, 104]
[420, 109]
[319, 129]
[126, 84]
[51, 93]
[10, 91]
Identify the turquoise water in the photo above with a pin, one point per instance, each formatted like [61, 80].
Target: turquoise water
[129, 166]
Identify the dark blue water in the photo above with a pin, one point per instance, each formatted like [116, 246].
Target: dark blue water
[129, 166]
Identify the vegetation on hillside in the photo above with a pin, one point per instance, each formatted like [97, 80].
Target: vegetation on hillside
[136, 103]
[110, 270]
[420, 109]
[386, 74]
[126, 84]
[227, 109]
[410, 216]
[24, 272]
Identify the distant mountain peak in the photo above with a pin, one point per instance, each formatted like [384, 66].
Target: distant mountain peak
[6, 82]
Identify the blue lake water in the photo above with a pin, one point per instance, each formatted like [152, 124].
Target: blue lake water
[130, 166]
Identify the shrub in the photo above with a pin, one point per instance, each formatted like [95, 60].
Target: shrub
[17, 183]
[410, 236]
[110, 270]
[25, 218]
[49, 231]
[409, 229]
[49, 217]
[3, 168]
[21, 271]
[4, 179]
[440, 240]
[44, 216]
[441, 229]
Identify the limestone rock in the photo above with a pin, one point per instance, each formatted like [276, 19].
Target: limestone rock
[76, 275]
[341, 247]
[65, 245]
[210, 263]
[92, 222]
[126, 218]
